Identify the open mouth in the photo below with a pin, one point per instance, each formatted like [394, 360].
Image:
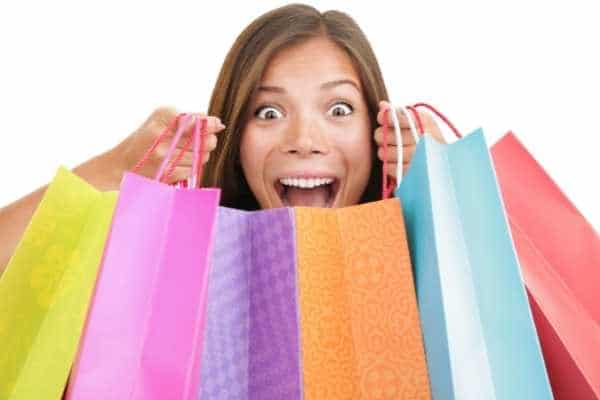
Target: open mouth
[307, 192]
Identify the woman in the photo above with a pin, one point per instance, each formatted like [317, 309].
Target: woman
[301, 94]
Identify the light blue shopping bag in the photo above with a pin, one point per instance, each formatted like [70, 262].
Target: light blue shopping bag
[480, 339]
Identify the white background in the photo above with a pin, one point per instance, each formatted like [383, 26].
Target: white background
[77, 77]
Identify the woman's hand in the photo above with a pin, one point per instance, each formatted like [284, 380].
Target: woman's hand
[408, 141]
[105, 172]
[132, 149]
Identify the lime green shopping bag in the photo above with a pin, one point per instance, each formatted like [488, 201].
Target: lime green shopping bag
[45, 290]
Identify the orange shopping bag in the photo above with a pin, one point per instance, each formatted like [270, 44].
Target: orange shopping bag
[360, 330]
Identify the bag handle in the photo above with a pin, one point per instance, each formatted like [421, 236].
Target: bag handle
[388, 187]
[200, 130]
[165, 162]
[200, 127]
[181, 121]
[438, 114]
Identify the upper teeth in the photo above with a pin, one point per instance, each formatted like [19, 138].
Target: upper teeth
[305, 183]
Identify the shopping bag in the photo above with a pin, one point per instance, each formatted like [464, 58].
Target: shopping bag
[559, 252]
[45, 290]
[360, 331]
[143, 335]
[251, 343]
[480, 339]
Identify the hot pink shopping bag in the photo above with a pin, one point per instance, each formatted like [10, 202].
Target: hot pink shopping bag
[144, 330]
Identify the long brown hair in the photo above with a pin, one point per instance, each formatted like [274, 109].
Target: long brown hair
[243, 69]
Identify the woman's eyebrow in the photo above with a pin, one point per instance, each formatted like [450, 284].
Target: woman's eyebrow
[324, 86]
[332, 84]
[274, 89]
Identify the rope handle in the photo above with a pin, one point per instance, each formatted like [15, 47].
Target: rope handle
[181, 121]
[167, 166]
[390, 183]
[200, 131]
[437, 113]
[172, 124]
[386, 188]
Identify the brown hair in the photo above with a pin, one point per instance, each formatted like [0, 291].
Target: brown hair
[243, 69]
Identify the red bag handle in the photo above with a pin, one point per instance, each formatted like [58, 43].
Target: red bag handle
[389, 183]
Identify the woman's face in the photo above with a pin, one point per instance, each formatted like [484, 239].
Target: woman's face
[307, 141]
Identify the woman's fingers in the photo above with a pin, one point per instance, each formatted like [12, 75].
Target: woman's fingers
[210, 143]
[402, 119]
[161, 117]
[391, 137]
[407, 137]
[214, 126]
[392, 154]
[406, 134]
[392, 169]
[187, 158]
[427, 120]
[136, 147]
[178, 174]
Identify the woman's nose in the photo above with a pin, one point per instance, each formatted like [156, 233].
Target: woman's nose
[305, 138]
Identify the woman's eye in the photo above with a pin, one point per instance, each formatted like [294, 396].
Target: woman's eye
[267, 112]
[340, 109]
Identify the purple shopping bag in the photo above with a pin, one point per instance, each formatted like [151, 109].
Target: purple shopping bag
[251, 344]
[143, 334]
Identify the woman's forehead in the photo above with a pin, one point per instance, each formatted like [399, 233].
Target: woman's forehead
[317, 62]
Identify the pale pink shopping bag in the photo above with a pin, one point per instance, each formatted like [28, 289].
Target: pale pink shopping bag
[144, 330]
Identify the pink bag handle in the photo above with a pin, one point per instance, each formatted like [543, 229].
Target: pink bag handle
[163, 166]
[181, 121]
[195, 179]
[200, 130]
[157, 141]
